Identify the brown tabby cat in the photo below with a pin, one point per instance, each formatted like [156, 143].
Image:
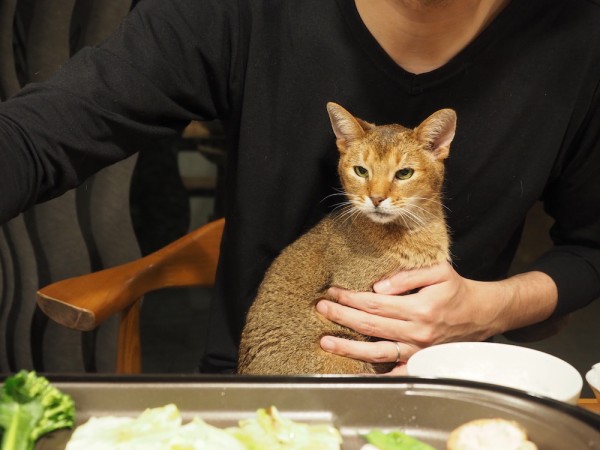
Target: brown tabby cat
[394, 219]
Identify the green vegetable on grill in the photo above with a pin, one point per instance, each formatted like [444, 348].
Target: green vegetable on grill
[395, 440]
[30, 407]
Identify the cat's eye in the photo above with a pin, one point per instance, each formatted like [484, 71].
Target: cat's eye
[361, 171]
[404, 174]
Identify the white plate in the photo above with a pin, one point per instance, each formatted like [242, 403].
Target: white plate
[507, 365]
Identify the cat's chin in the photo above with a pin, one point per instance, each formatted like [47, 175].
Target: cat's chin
[381, 217]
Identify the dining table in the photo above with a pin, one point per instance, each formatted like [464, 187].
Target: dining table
[591, 404]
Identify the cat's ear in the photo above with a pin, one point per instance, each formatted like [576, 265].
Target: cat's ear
[437, 132]
[345, 126]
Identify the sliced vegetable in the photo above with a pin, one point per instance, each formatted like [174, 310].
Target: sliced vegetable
[395, 440]
[155, 429]
[270, 430]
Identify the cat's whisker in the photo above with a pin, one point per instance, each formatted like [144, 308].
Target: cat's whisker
[408, 220]
[347, 216]
[413, 217]
[422, 210]
[342, 204]
[355, 214]
[343, 208]
[402, 217]
[411, 220]
[432, 200]
[422, 214]
[344, 212]
[347, 209]
[352, 215]
[335, 194]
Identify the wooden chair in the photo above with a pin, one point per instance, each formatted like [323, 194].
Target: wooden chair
[84, 302]
[84, 230]
[87, 229]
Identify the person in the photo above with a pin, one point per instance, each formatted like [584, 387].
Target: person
[523, 78]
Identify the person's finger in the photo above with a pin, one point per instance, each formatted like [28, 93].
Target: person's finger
[393, 329]
[362, 322]
[408, 280]
[411, 314]
[371, 352]
[381, 305]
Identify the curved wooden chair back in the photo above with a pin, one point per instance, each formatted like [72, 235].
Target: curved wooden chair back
[85, 302]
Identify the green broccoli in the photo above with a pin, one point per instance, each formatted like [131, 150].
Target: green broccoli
[31, 407]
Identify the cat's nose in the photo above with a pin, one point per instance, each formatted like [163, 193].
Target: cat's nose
[377, 200]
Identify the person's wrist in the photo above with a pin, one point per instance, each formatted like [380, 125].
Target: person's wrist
[497, 299]
[520, 301]
[508, 300]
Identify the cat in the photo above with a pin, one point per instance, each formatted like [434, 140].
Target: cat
[392, 177]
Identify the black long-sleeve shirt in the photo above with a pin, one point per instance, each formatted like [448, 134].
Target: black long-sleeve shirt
[525, 91]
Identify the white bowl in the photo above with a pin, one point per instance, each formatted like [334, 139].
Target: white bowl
[535, 372]
[593, 379]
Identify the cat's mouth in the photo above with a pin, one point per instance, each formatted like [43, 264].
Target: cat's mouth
[380, 216]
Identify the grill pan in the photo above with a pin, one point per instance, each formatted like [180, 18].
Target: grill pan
[427, 409]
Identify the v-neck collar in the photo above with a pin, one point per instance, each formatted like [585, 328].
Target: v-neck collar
[416, 83]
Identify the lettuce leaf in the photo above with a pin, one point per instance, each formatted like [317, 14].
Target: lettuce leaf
[155, 429]
[269, 430]
[162, 429]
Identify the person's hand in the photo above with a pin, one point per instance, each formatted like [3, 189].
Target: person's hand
[446, 308]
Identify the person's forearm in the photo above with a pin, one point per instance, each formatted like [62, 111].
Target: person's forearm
[518, 301]
[16, 171]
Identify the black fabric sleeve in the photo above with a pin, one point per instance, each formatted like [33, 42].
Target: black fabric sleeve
[572, 198]
[167, 64]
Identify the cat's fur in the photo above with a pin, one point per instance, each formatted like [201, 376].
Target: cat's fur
[388, 224]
